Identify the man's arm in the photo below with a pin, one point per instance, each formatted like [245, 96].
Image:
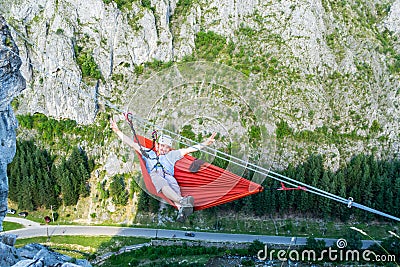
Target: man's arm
[126, 139]
[195, 148]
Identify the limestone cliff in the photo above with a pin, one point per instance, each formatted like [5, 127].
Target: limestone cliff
[11, 84]
[298, 77]
[328, 70]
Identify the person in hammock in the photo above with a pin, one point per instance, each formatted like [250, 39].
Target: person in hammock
[160, 165]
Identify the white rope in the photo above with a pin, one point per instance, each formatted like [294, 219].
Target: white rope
[238, 162]
[278, 177]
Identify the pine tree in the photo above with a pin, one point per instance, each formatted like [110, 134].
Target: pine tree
[269, 206]
[396, 196]
[343, 212]
[78, 167]
[313, 173]
[14, 174]
[25, 198]
[68, 193]
[302, 199]
[293, 195]
[118, 192]
[154, 204]
[368, 196]
[325, 203]
[143, 201]
[379, 202]
[104, 193]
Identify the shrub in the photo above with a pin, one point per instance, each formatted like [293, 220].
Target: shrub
[283, 129]
[86, 63]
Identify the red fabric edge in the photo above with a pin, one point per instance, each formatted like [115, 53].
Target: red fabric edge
[210, 186]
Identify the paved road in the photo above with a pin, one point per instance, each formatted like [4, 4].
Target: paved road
[25, 222]
[34, 229]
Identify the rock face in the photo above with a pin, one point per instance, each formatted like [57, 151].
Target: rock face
[326, 68]
[115, 38]
[36, 255]
[11, 84]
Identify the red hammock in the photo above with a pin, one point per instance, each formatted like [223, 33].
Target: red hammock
[210, 185]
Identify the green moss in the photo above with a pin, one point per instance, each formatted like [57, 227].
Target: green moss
[254, 133]
[386, 40]
[394, 66]
[187, 132]
[133, 21]
[333, 41]
[364, 68]
[246, 30]
[382, 9]
[158, 64]
[139, 69]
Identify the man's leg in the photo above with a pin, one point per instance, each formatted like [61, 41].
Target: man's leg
[184, 204]
[168, 185]
[163, 185]
[188, 201]
[171, 194]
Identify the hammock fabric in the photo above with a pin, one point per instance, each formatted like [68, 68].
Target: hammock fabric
[208, 184]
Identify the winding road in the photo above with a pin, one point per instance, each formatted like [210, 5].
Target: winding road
[33, 229]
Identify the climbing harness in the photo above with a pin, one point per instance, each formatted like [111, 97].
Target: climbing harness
[145, 152]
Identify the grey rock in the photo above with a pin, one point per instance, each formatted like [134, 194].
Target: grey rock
[25, 263]
[36, 255]
[79, 263]
[8, 255]
[9, 239]
[83, 263]
[51, 258]
[392, 22]
[11, 84]
[31, 250]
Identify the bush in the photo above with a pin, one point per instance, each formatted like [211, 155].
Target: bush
[209, 45]
[283, 129]
[117, 190]
[86, 63]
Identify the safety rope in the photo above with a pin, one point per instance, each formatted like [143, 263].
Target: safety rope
[216, 153]
[144, 152]
[135, 138]
[279, 177]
